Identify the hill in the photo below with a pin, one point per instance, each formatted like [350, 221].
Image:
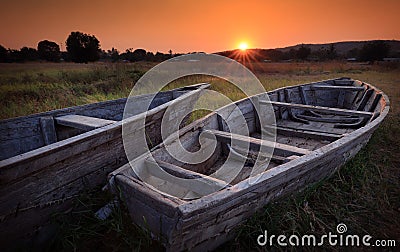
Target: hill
[345, 49]
[345, 46]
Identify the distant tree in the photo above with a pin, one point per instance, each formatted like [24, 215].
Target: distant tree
[376, 50]
[303, 52]
[160, 56]
[65, 56]
[323, 53]
[291, 54]
[395, 54]
[114, 54]
[49, 51]
[29, 54]
[320, 54]
[331, 52]
[139, 55]
[3, 54]
[83, 48]
[150, 56]
[353, 53]
[14, 55]
[275, 55]
[123, 56]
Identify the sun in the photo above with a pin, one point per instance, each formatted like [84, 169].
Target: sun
[243, 46]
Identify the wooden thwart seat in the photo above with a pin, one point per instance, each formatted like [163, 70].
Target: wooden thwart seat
[336, 111]
[277, 159]
[340, 88]
[82, 122]
[254, 143]
[343, 82]
[307, 134]
[196, 182]
[330, 120]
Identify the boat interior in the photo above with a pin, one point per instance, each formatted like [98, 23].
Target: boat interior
[307, 117]
[23, 134]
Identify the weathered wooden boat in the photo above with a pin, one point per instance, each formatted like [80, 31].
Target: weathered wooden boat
[49, 158]
[319, 126]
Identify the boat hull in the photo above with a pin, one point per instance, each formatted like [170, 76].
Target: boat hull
[207, 222]
[43, 181]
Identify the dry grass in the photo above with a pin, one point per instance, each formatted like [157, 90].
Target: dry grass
[364, 194]
[32, 88]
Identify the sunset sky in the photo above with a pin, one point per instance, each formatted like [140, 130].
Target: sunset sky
[187, 26]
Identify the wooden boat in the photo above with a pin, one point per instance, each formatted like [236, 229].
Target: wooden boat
[319, 127]
[49, 158]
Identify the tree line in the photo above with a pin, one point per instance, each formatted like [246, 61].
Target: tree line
[80, 48]
[84, 48]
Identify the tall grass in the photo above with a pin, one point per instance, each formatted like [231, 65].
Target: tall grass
[32, 88]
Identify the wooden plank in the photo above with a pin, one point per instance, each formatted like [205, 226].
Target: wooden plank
[303, 95]
[305, 101]
[292, 115]
[320, 109]
[280, 98]
[254, 143]
[162, 203]
[21, 134]
[82, 122]
[178, 171]
[134, 188]
[48, 130]
[28, 163]
[330, 119]
[367, 95]
[196, 182]
[307, 134]
[40, 187]
[377, 98]
[177, 93]
[341, 88]
[341, 98]
[319, 127]
[343, 82]
[278, 159]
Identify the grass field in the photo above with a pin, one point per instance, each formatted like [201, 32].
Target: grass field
[364, 194]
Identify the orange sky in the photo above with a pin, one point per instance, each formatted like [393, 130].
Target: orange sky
[192, 25]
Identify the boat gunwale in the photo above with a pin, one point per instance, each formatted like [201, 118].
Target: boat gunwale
[56, 111]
